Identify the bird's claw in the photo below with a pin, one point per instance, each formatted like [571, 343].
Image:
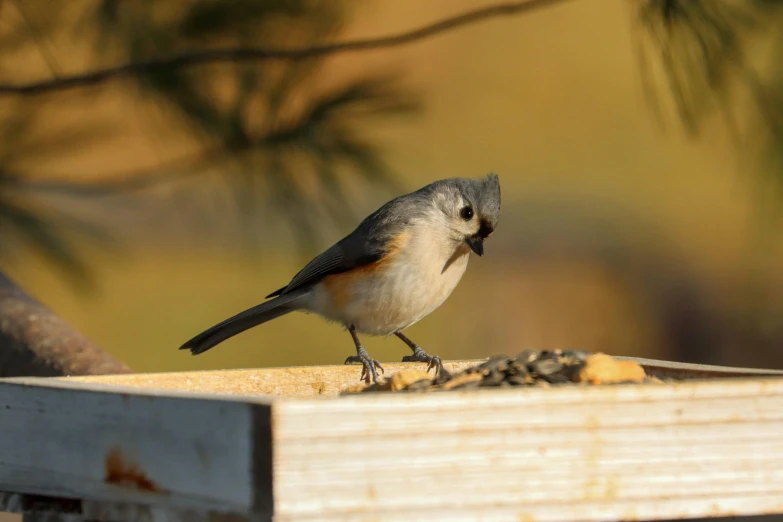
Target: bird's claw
[369, 365]
[419, 355]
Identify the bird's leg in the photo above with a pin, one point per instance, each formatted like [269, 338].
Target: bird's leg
[368, 363]
[420, 355]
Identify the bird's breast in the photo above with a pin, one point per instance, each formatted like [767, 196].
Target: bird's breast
[415, 278]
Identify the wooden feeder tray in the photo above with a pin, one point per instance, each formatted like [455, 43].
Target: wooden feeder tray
[284, 444]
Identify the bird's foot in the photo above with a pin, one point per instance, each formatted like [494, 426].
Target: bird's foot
[369, 365]
[419, 355]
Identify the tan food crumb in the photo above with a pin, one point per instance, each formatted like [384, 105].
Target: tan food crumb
[404, 378]
[461, 379]
[397, 381]
[354, 388]
[600, 368]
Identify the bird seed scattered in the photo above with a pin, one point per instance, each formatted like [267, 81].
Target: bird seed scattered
[529, 368]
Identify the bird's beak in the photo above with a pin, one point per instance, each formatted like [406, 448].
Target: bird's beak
[476, 244]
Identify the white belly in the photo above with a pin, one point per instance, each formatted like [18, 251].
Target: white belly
[400, 293]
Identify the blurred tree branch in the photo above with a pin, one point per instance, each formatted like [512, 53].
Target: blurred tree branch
[41, 42]
[36, 342]
[700, 46]
[249, 54]
[708, 53]
[268, 130]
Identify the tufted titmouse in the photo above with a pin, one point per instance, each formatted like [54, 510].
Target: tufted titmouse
[399, 265]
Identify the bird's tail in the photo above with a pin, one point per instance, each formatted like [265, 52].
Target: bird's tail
[232, 326]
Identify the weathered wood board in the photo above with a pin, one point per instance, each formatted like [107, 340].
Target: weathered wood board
[137, 447]
[296, 381]
[329, 381]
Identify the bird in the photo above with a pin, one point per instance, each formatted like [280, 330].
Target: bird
[399, 265]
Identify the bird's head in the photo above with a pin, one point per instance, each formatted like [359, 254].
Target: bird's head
[471, 208]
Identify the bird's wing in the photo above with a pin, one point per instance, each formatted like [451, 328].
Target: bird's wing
[365, 245]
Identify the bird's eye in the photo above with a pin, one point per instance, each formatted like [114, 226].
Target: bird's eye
[466, 213]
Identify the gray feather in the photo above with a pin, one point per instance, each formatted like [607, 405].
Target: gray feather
[367, 244]
[242, 321]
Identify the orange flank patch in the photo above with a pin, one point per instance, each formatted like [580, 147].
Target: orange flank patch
[340, 286]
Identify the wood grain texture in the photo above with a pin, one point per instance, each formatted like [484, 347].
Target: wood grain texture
[627, 452]
[298, 381]
[329, 381]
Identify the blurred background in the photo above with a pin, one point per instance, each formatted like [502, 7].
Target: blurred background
[638, 145]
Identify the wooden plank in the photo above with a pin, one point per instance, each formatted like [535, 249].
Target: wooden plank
[81, 441]
[325, 381]
[680, 370]
[628, 452]
[296, 381]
